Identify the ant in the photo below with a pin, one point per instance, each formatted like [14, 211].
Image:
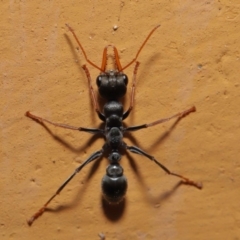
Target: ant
[112, 85]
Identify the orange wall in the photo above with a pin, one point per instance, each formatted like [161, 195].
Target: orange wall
[192, 59]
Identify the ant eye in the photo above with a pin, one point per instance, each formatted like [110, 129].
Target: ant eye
[125, 79]
[99, 79]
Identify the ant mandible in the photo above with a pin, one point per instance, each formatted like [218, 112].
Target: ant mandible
[112, 85]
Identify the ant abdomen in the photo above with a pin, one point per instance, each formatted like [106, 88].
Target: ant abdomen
[114, 184]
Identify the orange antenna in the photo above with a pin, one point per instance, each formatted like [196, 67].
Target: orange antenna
[140, 49]
[84, 53]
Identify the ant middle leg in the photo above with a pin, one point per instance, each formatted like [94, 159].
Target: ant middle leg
[62, 125]
[178, 115]
[139, 151]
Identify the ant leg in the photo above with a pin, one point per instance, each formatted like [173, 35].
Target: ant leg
[178, 115]
[41, 120]
[134, 82]
[140, 49]
[137, 150]
[94, 156]
[93, 96]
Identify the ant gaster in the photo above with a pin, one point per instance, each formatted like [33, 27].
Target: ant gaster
[112, 85]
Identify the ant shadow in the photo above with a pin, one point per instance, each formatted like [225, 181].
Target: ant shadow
[77, 199]
[147, 66]
[78, 63]
[161, 138]
[114, 212]
[163, 196]
[92, 139]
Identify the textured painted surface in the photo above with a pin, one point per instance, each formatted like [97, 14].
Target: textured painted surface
[192, 59]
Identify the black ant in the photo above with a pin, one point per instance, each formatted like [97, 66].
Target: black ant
[112, 85]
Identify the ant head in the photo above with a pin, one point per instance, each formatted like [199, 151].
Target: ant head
[114, 184]
[112, 84]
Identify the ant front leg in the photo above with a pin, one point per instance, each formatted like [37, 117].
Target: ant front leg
[132, 96]
[62, 125]
[186, 180]
[92, 93]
